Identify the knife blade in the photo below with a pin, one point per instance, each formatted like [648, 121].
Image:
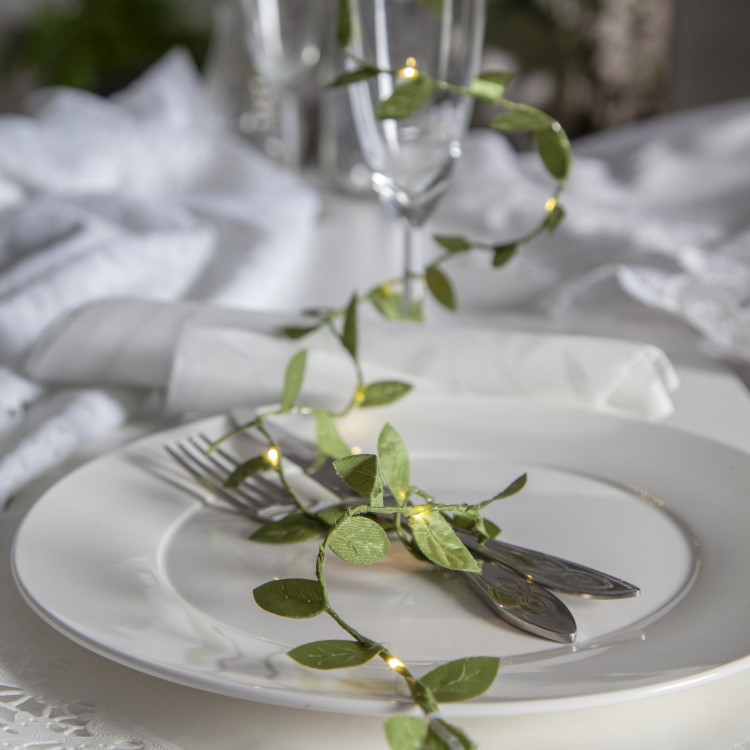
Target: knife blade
[524, 604]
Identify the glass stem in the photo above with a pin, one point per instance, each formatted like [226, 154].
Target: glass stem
[290, 129]
[413, 269]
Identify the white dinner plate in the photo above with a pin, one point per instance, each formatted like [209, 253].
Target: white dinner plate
[134, 568]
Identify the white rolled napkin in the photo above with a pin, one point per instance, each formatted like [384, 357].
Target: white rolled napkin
[208, 359]
[216, 368]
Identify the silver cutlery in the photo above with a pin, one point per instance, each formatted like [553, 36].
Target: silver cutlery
[550, 571]
[523, 603]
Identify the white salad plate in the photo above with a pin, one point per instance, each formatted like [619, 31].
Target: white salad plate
[120, 558]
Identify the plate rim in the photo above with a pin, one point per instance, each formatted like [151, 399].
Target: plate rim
[289, 697]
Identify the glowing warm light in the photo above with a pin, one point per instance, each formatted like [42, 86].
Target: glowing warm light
[409, 71]
[360, 395]
[550, 205]
[355, 450]
[273, 456]
[421, 510]
[395, 663]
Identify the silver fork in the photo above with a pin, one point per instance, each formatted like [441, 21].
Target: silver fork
[521, 602]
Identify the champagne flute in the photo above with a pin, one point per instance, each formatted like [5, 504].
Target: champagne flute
[411, 157]
[283, 39]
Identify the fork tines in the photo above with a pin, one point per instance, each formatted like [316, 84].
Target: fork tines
[259, 497]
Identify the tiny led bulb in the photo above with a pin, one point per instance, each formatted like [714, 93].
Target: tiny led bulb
[409, 71]
[395, 664]
[273, 456]
[550, 205]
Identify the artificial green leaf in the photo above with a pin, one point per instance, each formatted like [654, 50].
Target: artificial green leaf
[384, 392]
[440, 286]
[359, 541]
[554, 148]
[453, 244]
[554, 217]
[349, 335]
[362, 73]
[246, 469]
[329, 441]
[462, 679]
[362, 474]
[503, 77]
[490, 530]
[343, 24]
[407, 99]
[512, 489]
[296, 527]
[438, 542]
[490, 85]
[522, 118]
[334, 654]
[388, 303]
[394, 461]
[295, 374]
[406, 732]
[503, 253]
[290, 597]
[297, 332]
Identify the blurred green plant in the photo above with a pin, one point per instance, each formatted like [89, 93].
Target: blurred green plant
[100, 45]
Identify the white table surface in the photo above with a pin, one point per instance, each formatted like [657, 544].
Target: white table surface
[355, 245]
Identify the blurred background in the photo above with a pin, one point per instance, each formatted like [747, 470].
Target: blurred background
[595, 64]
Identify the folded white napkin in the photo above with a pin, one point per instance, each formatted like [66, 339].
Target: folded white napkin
[658, 210]
[216, 368]
[209, 359]
[141, 195]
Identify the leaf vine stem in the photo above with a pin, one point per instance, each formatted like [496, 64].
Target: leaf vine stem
[420, 693]
[357, 537]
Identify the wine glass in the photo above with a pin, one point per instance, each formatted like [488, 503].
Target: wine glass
[283, 39]
[411, 158]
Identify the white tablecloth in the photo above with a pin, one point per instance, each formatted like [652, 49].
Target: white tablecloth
[49, 681]
[87, 692]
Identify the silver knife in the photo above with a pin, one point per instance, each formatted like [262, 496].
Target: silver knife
[550, 571]
[524, 604]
